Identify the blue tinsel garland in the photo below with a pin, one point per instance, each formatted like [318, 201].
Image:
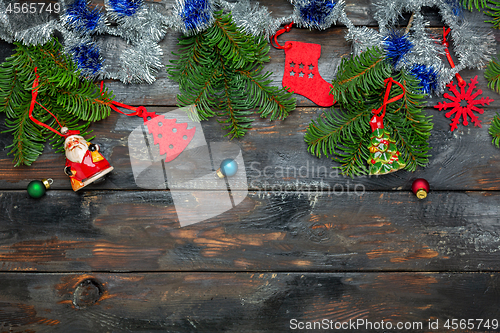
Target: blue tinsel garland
[195, 14]
[81, 18]
[427, 75]
[456, 6]
[396, 47]
[316, 12]
[125, 7]
[88, 58]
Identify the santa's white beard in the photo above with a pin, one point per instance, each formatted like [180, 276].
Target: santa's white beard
[77, 153]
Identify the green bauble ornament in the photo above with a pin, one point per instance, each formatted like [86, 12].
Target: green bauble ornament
[384, 153]
[36, 188]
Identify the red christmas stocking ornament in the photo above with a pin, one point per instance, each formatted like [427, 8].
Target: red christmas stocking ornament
[301, 71]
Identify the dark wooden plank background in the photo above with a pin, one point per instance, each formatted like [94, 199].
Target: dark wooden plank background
[113, 258]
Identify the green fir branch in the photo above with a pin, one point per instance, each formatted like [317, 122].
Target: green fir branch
[495, 130]
[474, 4]
[74, 101]
[492, 74]
[493, 10]
[488, 7]
[273, 101]
[344, 135]
[220, 71]
[367, 71]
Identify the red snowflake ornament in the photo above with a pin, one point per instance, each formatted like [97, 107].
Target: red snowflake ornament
[464, 111]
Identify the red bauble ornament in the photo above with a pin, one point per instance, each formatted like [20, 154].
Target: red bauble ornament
[420, 187]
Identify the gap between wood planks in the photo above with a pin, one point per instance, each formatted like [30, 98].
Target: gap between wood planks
[316, 272]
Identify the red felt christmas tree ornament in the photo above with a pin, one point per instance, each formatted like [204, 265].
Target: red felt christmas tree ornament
[301, 74]
[171, 137]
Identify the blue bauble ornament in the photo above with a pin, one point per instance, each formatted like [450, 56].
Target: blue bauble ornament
[228, 168]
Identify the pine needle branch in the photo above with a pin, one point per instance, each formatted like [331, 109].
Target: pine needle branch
[474, 4]
[492, 74]
[345, 135]
[488, 7]
[220, 71]
[368, 71]
[495, 130]
[75, 102]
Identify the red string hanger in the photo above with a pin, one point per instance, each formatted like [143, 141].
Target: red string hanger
[301, 74]
[463, 103]
[64, 132]
[384, 154]
[140, 111]
[378, 121]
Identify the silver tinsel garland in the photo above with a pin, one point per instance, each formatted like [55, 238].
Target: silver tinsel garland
[254, 20]
[473, 47]
[144, 27]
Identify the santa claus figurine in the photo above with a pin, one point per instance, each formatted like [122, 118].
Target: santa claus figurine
[84, 163]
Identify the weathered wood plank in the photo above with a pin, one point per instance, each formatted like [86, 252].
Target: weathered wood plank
[276, 157]
[256, 302]
[139, 231]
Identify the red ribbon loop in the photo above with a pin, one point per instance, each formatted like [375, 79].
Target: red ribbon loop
[34, 95]
[446, 32]
[140, 111]
[388, 84]
[287, 28]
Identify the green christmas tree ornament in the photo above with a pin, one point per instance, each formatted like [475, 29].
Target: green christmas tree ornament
[37, 188]
[384, 153]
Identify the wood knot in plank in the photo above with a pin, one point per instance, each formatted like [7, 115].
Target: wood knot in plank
[87, 293]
